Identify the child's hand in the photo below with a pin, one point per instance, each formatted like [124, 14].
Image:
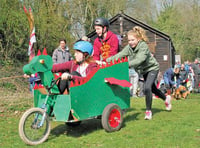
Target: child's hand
[65, 76]
[26, 76]
[100, 62]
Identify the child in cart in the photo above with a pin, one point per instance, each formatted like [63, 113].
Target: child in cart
[78, 68]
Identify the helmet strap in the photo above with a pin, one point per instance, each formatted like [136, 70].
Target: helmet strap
[103, 32]
[79, 63]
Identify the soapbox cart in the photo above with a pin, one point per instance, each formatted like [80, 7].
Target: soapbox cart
[102, 94]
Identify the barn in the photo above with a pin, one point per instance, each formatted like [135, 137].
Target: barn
[159, 43]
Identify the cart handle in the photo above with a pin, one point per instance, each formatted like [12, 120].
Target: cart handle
[52, 84]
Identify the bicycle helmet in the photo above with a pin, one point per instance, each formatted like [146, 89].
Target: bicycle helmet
[101, 22]
[83, 46]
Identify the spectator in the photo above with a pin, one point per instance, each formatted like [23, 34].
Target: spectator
[187, 66]
[196, 70]
[198, 61]
[178, 64]
[61, 54]
[160, 83]
[190, 84]
[171, 78]
[133, 76]
[183, 76]
[107, 43]
[33, 79]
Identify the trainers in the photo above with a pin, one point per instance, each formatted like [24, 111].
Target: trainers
[148, 115]
[168, 103]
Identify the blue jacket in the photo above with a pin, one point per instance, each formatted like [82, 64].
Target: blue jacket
[36, 78]
[169, 75]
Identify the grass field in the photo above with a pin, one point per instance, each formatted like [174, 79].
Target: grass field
[179, 128]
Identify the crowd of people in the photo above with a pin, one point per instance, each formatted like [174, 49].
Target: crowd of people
[143, 67]
[186, 74]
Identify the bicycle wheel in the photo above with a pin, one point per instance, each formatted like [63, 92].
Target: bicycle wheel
[33, 129]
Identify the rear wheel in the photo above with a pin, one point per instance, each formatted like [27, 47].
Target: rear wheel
[34, 126]
[112, 118]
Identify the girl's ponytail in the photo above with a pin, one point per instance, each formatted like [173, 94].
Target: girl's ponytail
[140, 33]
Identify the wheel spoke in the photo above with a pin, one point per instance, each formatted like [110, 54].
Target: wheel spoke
[32, 129]
[34, 126]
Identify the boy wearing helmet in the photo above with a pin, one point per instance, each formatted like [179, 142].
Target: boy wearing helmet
[107, 43]
[78, 68]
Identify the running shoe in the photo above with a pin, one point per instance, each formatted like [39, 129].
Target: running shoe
[168, 103]
[148, 115]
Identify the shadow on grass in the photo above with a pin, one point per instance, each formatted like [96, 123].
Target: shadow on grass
[135, 116]
[86, 127]
[155, 110]
[130, 117]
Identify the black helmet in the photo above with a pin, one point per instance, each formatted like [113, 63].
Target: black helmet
[101, 22]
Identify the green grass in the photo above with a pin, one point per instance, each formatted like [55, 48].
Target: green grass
[179, 128]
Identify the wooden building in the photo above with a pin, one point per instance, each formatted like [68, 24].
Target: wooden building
[159, 43]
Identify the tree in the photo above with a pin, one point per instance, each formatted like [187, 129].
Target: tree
[82, 13]
[51, 23]
[182, 26]
[71, 19]
[12, 28]
[54, 19]
[143, 10]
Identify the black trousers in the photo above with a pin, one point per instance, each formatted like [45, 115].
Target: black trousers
[150, 87]
[64, 84]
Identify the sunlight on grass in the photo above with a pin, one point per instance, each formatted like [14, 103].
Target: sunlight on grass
[178, 128]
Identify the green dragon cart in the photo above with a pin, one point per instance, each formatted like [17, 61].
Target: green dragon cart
[102, 94]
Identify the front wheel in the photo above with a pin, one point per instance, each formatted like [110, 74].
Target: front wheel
[112, 118]
[34, 126]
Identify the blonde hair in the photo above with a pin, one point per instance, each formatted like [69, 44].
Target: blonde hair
[139, 33]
